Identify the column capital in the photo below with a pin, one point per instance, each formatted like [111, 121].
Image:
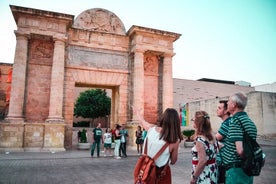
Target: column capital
[137, 50]
[168, 54]
[60, 38]
[22, 34]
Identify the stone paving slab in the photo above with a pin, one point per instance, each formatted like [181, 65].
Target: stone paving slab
[77, 167]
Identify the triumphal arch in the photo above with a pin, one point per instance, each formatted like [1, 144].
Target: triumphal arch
[56, 52]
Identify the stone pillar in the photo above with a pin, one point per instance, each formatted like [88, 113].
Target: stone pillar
[57, 82]
[167, 82]
[138, 81]
[18, 78]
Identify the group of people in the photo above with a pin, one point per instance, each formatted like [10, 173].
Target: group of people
[216, 158]
[118, 136]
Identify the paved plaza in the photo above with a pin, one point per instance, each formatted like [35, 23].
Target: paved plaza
[77, 167]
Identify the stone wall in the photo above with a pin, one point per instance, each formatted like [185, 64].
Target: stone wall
[185, 91]
[31, 137]
[5, 86]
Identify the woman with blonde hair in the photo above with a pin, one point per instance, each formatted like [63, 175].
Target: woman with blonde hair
[204, 151]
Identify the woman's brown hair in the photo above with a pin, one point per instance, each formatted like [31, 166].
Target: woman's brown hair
[170, 124]
[203, 125]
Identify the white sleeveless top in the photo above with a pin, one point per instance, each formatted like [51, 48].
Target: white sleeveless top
[154, 145]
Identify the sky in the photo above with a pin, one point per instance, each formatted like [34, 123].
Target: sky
[233, 40]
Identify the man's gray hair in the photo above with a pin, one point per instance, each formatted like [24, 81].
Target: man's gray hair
[240, 99]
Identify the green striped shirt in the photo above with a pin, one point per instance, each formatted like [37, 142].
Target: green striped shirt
[223, 130]
[235, 133]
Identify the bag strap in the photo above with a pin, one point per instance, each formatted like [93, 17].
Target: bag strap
[159, 152]
[241, 124]
[246, 133]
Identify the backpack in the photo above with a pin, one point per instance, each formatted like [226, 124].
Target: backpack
[254, 158]
[145, 168]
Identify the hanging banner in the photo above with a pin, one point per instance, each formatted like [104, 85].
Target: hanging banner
[187, 114]
[182, 112]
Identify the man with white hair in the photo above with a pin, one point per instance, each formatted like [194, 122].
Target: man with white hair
[233, 149]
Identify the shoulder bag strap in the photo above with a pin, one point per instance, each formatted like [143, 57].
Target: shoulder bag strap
[159, 152]
[244, 132]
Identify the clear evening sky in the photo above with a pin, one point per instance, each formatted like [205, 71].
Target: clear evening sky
[221, 39]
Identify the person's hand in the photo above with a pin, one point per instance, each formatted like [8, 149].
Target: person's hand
[193, 181]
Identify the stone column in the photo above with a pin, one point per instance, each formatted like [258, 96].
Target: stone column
[57, 82]
[18, 78]
[167, 82]
[138, 82]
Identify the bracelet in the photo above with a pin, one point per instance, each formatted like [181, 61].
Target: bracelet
[194, 177]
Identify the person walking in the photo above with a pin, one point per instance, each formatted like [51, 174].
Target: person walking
[124, 137]
[97, 138]
[221, 135]
[233, 148]
[167, 131]
[204, 151]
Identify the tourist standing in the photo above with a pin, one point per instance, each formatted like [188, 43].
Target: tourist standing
[139, 141]
[144, 134]
[117, 142]
[79, 136]
[233, 147]
[107, 141]
[124, 137]
[97, 139]
[223, 113]
[167, 131]
[204, 151]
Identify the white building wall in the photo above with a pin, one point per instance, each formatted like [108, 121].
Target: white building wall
[267, 88]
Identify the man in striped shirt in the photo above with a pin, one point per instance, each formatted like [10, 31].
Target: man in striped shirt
[222, 112]
[233, 148]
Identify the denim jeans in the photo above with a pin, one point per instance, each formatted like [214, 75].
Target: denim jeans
[98, 143]
[123, 149]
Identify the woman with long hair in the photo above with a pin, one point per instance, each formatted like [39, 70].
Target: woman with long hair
[204, 151]
[167, 131]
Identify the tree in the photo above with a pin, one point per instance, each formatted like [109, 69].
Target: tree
[92, 103]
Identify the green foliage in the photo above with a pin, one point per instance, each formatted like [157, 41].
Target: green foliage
[92, 103]
[83, 136]
[188, 133]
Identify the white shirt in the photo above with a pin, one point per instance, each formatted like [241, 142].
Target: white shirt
[107, 138]
[154, 145]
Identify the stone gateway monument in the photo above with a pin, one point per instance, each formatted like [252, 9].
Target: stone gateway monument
[56, 53]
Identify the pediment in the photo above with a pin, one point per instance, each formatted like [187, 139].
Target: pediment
[98, 19]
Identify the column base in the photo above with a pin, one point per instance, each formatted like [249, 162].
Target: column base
[8, 150]
[11, 119]
[54, 120]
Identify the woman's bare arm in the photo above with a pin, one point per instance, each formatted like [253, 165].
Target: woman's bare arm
[146, 125]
